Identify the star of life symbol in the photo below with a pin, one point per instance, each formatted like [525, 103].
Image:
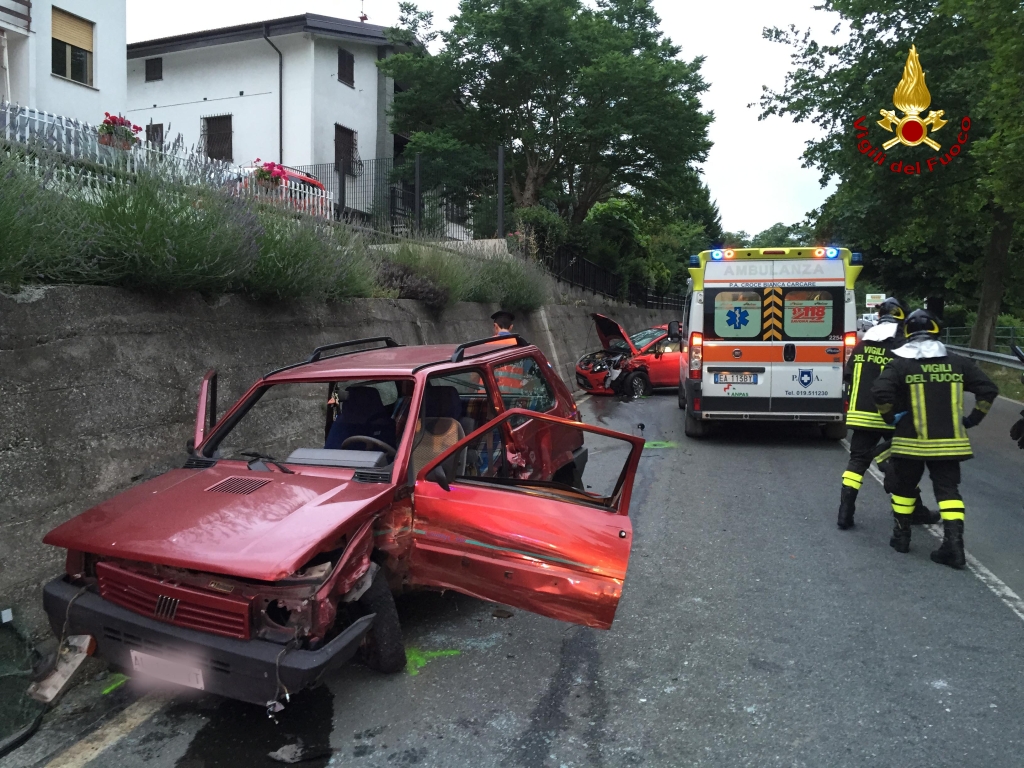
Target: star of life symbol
[737, 318]
[912, 97]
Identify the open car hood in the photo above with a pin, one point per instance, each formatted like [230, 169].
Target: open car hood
[263, 533]
[608, 331]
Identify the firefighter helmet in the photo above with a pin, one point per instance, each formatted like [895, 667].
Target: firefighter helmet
[921, 324]
[891, 311]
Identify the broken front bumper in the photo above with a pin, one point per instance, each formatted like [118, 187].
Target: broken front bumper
[248, 670]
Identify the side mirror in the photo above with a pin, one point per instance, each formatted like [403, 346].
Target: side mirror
[437, 475]
[673, 330]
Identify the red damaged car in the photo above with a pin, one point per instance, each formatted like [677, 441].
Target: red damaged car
[630, 365]
[271, 557]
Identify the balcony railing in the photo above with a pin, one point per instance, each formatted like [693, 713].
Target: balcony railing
[17, 13]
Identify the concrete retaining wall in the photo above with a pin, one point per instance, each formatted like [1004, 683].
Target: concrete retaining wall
[98, 388]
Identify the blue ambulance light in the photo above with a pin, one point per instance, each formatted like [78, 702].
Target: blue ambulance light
[856, 258]
[717, 255]
[831, 252]
[695, 261]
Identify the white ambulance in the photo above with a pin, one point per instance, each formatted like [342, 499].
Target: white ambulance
[769, 331]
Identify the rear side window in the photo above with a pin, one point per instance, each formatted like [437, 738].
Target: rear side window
[522, 385]
[809, 314]
[737, 314]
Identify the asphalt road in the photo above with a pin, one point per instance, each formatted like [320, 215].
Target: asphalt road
[752, 632]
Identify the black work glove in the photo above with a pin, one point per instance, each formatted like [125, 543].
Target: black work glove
[1017, 431]
[973, 419]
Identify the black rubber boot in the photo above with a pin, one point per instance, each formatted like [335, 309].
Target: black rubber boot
[900, 540]
[847, 506]
[922, 515]
[951, 551]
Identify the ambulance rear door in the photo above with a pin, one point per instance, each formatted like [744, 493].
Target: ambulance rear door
[807, 373]
[738, 355]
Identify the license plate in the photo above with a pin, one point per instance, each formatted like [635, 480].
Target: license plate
[167, 670]
[735, 378]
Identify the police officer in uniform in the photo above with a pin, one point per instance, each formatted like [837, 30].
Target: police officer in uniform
[921, 392]
[866, 362]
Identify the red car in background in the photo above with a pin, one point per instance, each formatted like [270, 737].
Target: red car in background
[271, 556]
[629, 364]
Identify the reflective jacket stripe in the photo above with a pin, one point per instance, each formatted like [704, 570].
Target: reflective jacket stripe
[956, 394]
[931, 449]
[867, 420]
[920, 409]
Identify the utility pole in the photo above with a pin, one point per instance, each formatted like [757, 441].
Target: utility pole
[416, 193]
[501, 191]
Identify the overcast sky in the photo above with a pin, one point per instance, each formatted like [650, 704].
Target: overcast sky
[754, 168]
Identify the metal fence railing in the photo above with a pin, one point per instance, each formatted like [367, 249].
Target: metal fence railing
[569, 267]
[83, 146]
[1006, 336]
[411, 197]
[1007, 361]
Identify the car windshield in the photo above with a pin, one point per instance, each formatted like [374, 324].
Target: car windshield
[352, 423]
[640, 339]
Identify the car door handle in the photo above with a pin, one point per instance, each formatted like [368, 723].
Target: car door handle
[789, 353]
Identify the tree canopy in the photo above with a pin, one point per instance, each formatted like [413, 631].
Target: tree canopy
[591, 100]
[949, 231]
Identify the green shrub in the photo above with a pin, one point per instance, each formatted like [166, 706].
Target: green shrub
[304, 259]
[510, 282]
[40, 232]
[540, 231]
[148, 234]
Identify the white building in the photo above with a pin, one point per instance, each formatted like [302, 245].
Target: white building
[302, 90]
[65, 57]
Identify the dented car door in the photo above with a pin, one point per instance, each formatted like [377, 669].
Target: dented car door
[515, 535]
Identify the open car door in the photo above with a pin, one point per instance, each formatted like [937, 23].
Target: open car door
[490, 520]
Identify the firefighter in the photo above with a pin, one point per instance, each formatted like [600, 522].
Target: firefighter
[864, 366]
[921, 393]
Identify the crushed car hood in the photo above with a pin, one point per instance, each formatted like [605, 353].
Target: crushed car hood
[181, 519]
[608, 331]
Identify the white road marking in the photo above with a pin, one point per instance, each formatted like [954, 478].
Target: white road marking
[111, 732]
[996, 585]
[582, 400]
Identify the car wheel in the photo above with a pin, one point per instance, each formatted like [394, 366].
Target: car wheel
[681, 397]
[638, 385]
[694, 427]
[834, 430]
[382, 649]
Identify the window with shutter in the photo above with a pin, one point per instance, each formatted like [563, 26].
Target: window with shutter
[346, 67]
[217, 137]
[344, 149]
[154, 70]
[71, 47]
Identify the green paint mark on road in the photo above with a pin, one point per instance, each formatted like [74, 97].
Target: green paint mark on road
[660, 444]
[116, 681]
[415, 659]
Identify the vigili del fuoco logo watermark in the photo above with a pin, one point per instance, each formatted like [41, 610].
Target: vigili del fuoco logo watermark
[911, 98]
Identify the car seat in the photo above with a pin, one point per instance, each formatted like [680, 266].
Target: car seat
[362, 413]
[439, 429]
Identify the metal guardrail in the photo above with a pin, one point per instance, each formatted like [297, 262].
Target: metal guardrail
[1009, 361]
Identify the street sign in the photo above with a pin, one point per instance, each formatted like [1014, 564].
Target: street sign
[873, 299]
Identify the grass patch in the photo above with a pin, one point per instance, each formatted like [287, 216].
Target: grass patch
[1007, 379]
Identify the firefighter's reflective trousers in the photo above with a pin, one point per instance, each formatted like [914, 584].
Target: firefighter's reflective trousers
[862, 451]
[945, 475]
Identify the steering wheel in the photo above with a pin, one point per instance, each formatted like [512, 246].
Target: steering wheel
[371, 441]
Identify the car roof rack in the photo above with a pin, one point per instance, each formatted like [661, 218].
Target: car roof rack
[319, 351]
[460, 351]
